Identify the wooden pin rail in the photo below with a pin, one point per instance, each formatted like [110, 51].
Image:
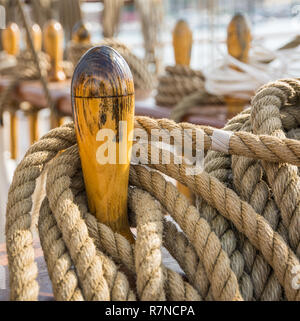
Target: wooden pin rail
[32, 92]
[103, 97]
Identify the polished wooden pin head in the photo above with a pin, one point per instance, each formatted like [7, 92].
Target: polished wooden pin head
[54, 47]
[182, 43]
[239, 38]
[81, 33]
[103, 110]
[11, 39]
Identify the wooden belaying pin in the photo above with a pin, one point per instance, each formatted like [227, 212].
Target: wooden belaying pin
[182, 43]
[238, 46]
[103, 110]
[11, 45]
[239, 38]
[11, 39]
[81, 33]
[36, 34]
[54, 47]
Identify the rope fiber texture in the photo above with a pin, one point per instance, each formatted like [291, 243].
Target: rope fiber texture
[240, 242]
[178, 83]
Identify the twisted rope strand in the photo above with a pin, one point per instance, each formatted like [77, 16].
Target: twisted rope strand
[265, 117]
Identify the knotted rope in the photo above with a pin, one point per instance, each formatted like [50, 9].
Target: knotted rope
[241, 242]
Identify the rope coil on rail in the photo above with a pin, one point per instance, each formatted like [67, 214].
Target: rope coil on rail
[179, 82]
[241, 241]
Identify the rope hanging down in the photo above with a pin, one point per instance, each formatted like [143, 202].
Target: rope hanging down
[240, 243]
[111, 17]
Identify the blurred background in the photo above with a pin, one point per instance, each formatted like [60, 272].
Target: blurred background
[273, 23]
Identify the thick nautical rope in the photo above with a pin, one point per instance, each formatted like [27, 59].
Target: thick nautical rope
[143, 79]
[283, 177]
[211, 247]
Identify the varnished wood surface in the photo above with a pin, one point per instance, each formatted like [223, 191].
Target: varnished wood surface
[33, 126]
[11, 39]
[182, 43]
[239, 38]
[103, 97]
[36, 34]
[53, 43]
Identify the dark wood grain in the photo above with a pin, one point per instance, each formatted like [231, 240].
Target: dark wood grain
[102, 93]
[102, 72]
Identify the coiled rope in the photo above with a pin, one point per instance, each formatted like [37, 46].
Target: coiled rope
[179, 82]
[241, 242]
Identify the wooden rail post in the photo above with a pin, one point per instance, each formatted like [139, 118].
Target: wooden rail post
[238, 46]
[54, 47]
[36, 34]
[103, 111]
[182, 45]
[11, 45]
[81, 33]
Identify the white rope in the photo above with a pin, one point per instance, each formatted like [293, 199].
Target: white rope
[223, 80]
